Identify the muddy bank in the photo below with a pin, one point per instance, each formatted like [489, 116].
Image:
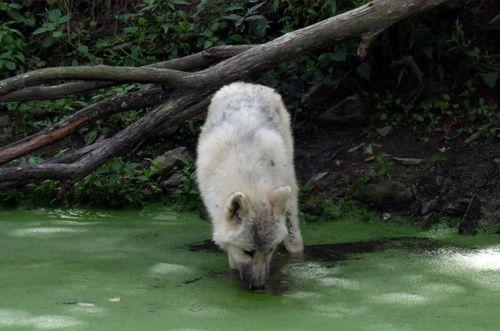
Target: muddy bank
[412, 172]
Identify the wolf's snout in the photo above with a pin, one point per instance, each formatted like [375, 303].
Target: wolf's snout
[254, 276]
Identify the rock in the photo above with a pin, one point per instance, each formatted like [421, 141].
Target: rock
[174, 180]
[351, 109]
[386, 216]
[469, 222]
[385, 131]
[312, 208]
[429, 206]
[168, 161]
[387, 192]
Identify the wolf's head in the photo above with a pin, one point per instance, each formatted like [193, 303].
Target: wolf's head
[254, 231]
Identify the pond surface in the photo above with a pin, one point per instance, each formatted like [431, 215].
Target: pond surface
[154, 270]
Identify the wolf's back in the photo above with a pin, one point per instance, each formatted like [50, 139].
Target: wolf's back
[245, 145]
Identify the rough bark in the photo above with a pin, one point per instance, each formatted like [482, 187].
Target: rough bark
[191, 87]
[129, 101]
[191, 62]
[370, 18]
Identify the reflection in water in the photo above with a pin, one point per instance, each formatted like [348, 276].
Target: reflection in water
[481, 259]
[317, 265]
[42, 231]
[311, 265]
[23, 319]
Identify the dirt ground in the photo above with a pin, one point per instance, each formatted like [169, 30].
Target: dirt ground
[442, 174]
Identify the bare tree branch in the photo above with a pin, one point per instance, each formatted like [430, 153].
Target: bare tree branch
[129, 101]
[371, 17]
[102, 151]
[186, 63]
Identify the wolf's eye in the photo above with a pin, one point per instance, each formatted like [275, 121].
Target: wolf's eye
[249, 253]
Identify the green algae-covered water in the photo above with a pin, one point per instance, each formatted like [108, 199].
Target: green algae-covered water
[150, 270]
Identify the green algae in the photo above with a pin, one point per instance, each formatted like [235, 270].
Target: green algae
[65, 269]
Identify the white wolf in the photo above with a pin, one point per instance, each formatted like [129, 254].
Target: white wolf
[247, 179]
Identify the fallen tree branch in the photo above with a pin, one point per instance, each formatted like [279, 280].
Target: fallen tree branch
[58, 131]
[374, 16]
[190, 62]
[102, 151]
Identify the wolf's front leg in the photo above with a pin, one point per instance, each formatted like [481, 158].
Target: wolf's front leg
[232, 264]
[293, 242]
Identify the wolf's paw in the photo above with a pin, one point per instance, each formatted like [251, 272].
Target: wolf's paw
[294, 245]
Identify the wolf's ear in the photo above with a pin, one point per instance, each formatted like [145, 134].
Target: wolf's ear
[279, 198]
[238, 208]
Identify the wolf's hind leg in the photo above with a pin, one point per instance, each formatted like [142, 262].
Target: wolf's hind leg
[293, 242]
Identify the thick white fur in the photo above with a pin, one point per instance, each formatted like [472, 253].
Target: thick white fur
[227, 162]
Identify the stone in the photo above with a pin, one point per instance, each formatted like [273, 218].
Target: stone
[166, 162]
[385, 192]
[351, 109]
[174, 181]
[429, 206]
[312, 208]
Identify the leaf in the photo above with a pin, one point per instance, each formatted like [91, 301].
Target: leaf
[10, 65]
[365, 70]
[57, 34]
[419, 117]
[253, 9]
[232, 17]
[48, 42]
[234, 7]
[496, 18]
[130, 29]
[428, 50]
[340, 55]
[256, 18]
[83, 49]
[63, 19]
[40, 30]
[33, 160]
[54, 14]
[490, 78]
[20, 57]
[90, 137]
[331, 7]
[15, 5]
